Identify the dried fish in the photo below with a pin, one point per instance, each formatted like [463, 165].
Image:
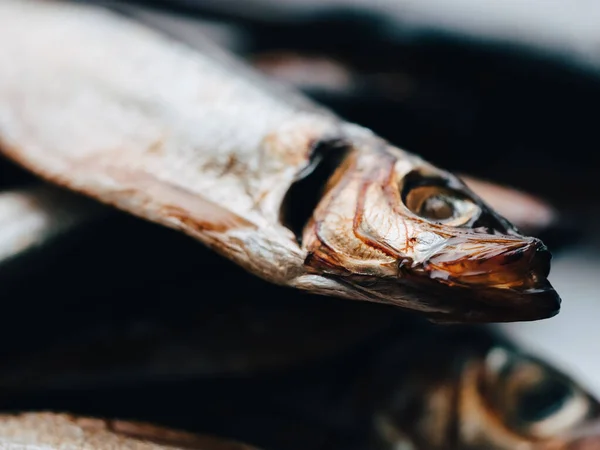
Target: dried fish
[477, 391]
[58, 431]
[195, 141]
[528, 213]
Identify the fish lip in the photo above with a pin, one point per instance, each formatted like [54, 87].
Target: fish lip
[486, 306]
[448, 302]
[507, 281]
[443, 304]
[515, 265]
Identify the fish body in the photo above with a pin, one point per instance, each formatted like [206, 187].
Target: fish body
[194, 140]
[58, 431]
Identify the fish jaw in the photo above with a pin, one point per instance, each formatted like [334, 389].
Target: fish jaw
[502, 263]
[507, 274]
[371, 232]
[586, 443]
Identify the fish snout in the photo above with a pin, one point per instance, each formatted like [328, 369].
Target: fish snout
[494, 263]
[504, 277]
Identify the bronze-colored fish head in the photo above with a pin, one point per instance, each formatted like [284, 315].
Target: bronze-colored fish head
[395, 229]
[494, 399]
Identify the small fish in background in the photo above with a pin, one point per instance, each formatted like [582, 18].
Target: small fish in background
[58, 431]
[470, 390]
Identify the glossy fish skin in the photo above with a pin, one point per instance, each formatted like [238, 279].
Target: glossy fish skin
[480, 392]
[184, 156]
[60, 431]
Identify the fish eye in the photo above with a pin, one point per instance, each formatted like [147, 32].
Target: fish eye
[532, 398]
[441, 205]
[542, 400]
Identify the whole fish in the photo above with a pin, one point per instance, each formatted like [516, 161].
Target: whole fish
[193, 140]
[475, 390]
[62, 431]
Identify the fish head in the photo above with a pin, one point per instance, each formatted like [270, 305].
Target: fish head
[498, 399]
[395, 229]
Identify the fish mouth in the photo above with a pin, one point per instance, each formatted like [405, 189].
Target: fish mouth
[492, 306]
[505, 280]
[499, 263]
[445, 304]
